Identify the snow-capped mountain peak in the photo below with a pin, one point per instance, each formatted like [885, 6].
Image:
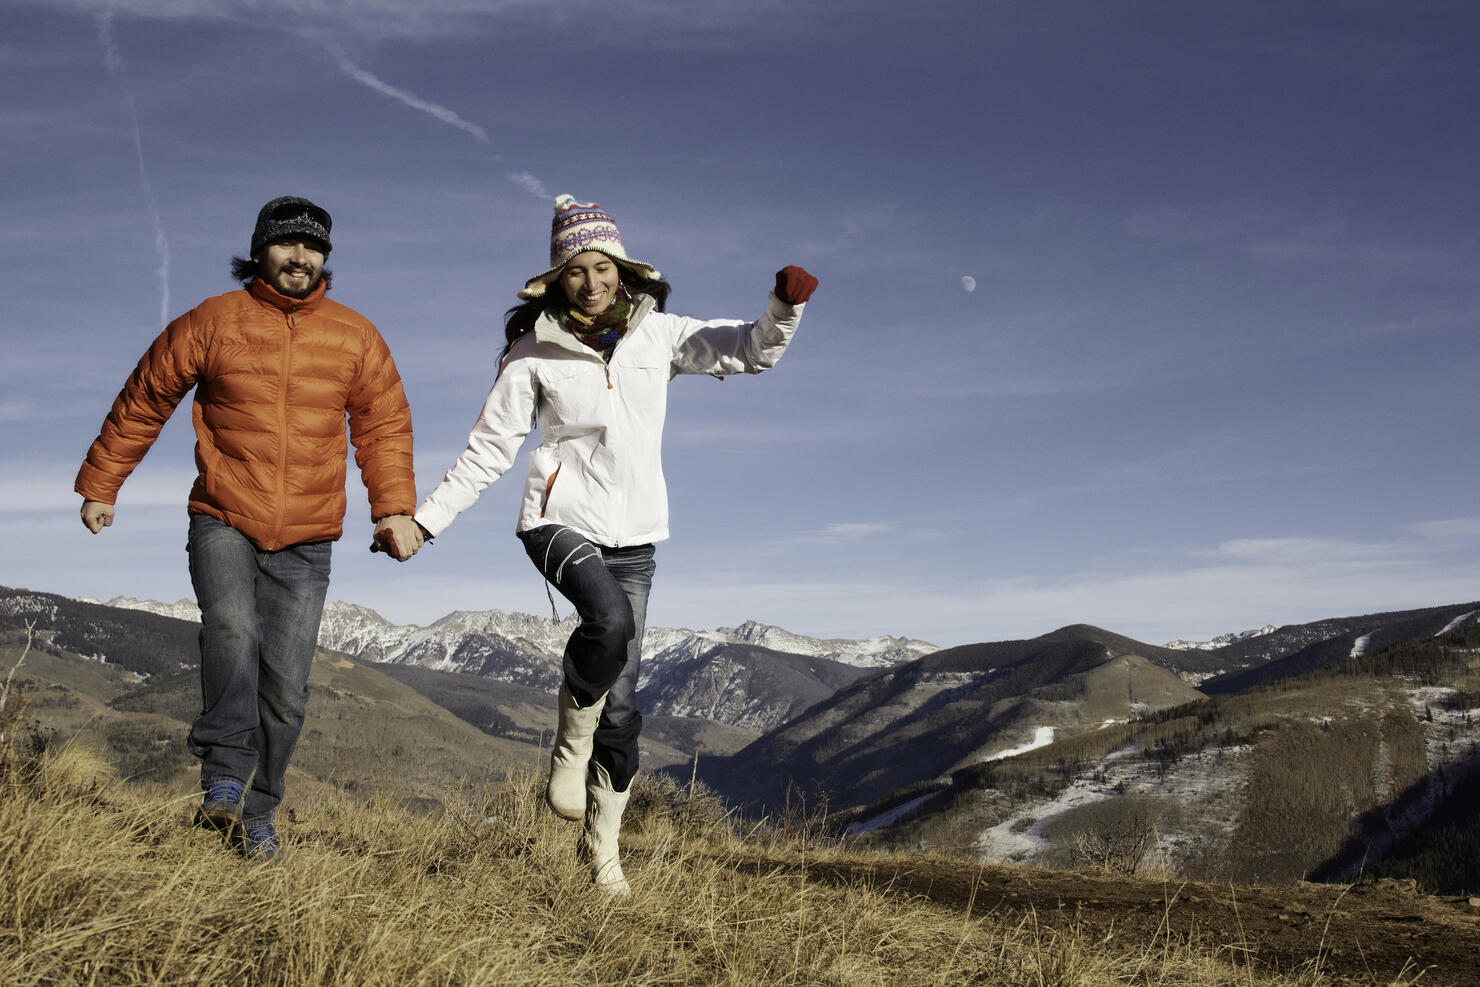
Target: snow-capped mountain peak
[1222, 640]
[464, 639]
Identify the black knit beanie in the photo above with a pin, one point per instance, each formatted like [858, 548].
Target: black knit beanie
[289, 216]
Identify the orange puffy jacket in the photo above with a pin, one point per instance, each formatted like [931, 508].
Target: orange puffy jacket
[275, 378]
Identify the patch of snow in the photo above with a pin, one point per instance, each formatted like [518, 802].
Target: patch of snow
[1022, 836]
[1222, 640]
[360, 631]
[1456, 622]
[872, 652]
[181, 609]
[1042, 737]
[946, 680]
[888, 818]
[1209, 781]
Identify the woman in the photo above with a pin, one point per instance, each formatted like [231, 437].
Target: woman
[589, 355]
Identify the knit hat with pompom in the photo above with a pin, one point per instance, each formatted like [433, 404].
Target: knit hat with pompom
[576, 228]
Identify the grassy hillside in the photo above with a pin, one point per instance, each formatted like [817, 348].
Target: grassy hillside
[103, 881]
[107, 883]
[365, 732]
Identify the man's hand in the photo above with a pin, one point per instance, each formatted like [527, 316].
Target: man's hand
[399, 536]
[97, 515]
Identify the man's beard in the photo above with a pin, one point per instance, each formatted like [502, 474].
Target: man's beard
[290, 288]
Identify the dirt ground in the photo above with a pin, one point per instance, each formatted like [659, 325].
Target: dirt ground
[1366, 934]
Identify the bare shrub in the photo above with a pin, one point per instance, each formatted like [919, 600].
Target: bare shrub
[1114, 836]
[1117, 848]
[695, 810]
[802, 820]
[12, 703]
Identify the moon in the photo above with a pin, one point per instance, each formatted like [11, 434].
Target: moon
[969, 283]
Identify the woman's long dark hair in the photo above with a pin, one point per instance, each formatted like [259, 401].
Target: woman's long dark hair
[519, 321]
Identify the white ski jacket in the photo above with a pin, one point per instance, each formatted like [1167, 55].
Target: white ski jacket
[598, 469]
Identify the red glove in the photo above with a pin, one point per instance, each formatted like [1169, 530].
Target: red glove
[794, 285]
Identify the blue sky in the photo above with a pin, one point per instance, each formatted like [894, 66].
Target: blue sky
[1217, 367]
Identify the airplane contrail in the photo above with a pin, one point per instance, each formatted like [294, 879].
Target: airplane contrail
[523, 179]
[113, 62]
[442, 113]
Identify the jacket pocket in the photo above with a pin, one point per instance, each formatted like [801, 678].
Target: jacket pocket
[549, 489]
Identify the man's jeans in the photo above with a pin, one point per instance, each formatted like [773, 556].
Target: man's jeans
[259, 617]
[609, 589]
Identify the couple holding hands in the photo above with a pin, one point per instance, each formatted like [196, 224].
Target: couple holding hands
[277, 368]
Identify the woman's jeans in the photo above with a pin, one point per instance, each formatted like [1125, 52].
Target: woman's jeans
[259, 617]
[609, 589]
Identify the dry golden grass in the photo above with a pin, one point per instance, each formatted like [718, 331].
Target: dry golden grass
[105, 883]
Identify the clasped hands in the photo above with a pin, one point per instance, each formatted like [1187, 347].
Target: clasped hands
[398, 536]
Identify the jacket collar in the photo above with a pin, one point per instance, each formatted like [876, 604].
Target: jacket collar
[547, 327]
[268, 295]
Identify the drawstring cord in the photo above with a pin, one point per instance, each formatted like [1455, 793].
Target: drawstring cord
[560, 569]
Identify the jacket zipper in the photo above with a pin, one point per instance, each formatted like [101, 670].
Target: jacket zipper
[282, 470]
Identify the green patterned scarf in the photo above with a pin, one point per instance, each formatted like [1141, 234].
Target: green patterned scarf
[601, 332]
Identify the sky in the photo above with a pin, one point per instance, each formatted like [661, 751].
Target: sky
[1157, 315]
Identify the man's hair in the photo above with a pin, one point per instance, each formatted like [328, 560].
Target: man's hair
[244, 269]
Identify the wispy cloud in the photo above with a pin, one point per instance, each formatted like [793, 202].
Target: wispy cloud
[708, 23]
[527, 181]
[1197, 600]
[1454, 529]
[848, 532]
[1283, 237]
[863, 226]
[113, 62]
[400, 95]
[1301, 551]
[36, 487]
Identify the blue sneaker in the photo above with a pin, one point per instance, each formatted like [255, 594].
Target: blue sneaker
[222, 808]
[258, 839]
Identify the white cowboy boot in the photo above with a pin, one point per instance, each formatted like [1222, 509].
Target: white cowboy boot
[598, 846]
[569, 755]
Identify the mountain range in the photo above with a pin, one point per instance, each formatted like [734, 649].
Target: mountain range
[752, 676]
[1355, 731]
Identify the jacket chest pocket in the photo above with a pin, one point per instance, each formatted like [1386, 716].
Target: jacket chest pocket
[572, 393]
[593, 393]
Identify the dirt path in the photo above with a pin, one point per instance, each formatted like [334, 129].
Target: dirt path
[1363, 934]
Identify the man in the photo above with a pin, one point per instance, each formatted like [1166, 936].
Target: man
[276, 367]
